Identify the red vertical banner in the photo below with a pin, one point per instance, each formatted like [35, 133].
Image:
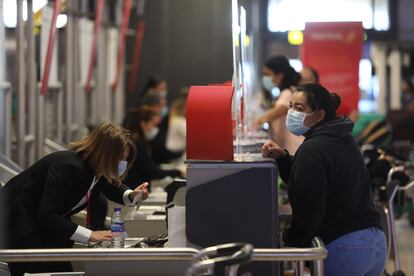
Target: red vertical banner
[209, 125]
[139, 38]
[122, 40]
[88, 86]
[334, 50]
[50, 46]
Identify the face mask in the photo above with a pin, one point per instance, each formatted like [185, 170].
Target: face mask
[294, 122]
[163, 94]
[268, 83]
[153, 132]
[122, 166]
[164, 111]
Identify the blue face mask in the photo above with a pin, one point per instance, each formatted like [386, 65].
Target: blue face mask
[268, 83]
[122, 166]
[294, 122]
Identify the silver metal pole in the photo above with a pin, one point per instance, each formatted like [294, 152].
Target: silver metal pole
[124, 254]
[289, 254]
[78, 94]
[21, 81]
[5, 106]
[120, 96]
[301, 268]
[102, 90]
[5, 118]
[31, 81]
[59, 115]
[393, 231]
[318, 268]
[40, 125]
[70, 80]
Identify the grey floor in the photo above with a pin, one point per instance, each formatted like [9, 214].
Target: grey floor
[405, 236]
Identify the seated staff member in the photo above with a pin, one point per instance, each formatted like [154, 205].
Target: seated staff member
[42, 198]
[143, 124]
[277, 72]
[329, 186]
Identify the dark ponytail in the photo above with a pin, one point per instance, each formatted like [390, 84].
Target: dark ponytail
[336, 100]
[280, 64]
[319, 98]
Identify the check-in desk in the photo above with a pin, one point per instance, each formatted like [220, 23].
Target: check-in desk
[233, 202]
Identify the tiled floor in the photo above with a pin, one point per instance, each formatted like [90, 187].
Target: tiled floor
[405, 236]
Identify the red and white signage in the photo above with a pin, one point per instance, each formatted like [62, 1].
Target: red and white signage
[334, 50]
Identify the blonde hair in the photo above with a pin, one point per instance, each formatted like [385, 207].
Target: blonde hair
[104, 147]
[178, 107]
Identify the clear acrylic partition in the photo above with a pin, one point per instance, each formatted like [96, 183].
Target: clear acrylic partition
[246, 146]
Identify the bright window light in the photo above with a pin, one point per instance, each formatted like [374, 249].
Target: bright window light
[61, 20]
[10, 11]
[38, 5]
[287, 15]
[365, 75]
[296, 64]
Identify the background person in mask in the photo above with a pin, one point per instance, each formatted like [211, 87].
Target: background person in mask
[157, 144]
[309, 75]
[42, 198]
[176, 137]
[143, 123]
[277, 72]
[329, 187]
[155, 85]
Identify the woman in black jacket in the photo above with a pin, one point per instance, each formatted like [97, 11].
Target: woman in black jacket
[143, 123]
[42, 198]
[329, 187]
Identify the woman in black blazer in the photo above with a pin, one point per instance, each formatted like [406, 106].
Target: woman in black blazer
[42, 198]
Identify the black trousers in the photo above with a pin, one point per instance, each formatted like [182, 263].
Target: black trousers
[36, 240]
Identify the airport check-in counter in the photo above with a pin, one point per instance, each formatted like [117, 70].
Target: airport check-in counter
[233, 202]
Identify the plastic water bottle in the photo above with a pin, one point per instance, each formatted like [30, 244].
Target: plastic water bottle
[117, 229]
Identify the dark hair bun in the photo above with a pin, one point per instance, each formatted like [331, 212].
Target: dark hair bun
[336, 100]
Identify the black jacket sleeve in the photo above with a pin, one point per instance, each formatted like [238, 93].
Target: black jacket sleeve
[307, 194]
[56, 188]
[284, 164]
[113, 192]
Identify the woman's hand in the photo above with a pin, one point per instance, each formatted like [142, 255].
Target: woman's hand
[99, 236]
[142, 187]
[258, 123]
[272, 150]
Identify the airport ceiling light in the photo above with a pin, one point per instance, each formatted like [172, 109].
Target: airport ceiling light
[295, 37]
[10, 11]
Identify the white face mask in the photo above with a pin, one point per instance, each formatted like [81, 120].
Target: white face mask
[295, 122]
[267, 83]
[163, 93]
[122, 166]
[152, 133]
[164, 111]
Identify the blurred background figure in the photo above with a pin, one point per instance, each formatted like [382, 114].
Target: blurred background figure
[176, 135]
[143, 123]
[155, 85]
[309, 75]
[407, 95]
[277, 72]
